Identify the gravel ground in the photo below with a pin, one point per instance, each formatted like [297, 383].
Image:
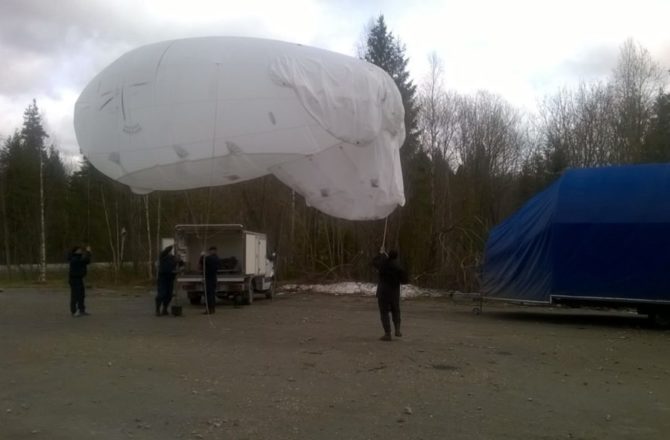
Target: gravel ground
[310, 366]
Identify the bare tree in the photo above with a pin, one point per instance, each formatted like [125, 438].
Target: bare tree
[489, 136]
[636, 81]
[577, 127]
[437, 112]
[603, 123]
[437, 127]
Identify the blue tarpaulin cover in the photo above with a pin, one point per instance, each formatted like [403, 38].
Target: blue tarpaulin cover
[594, 233]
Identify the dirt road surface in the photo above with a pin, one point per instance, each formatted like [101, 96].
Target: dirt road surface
[307, 366]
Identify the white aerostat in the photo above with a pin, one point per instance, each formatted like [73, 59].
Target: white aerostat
[213, 111]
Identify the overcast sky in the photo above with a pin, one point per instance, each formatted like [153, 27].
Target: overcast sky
[519, 49]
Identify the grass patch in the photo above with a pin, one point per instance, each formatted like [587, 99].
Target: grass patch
[97, 277]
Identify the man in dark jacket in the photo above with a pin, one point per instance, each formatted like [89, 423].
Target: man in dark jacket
[167, 271]
[78, 259]
[211, 266]
[391, 276]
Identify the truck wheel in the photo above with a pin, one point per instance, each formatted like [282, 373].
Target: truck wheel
[194, 298]
[270, 293]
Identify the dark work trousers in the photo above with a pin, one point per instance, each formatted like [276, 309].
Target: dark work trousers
[165, 287]
[77, 294]
[210, 291]
[389, 304]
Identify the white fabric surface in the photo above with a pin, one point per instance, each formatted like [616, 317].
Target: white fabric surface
[219, 110]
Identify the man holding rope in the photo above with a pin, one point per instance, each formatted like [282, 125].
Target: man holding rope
[391, 276]
[168, 265]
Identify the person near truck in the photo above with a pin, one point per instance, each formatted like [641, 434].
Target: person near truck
[391, 276]
[211, 266]
[168, 265]
[79, 258]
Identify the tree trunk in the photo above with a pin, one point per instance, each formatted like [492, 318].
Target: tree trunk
[5, 231]
[148, 222]
[291, 242]
[158, 226]
[109, 234]
[43, 241]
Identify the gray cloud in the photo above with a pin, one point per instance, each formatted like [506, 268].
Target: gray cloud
[37, 27]
[56, 47]
[52, 49]
[45, 42]
[69, 40]
[590, 64]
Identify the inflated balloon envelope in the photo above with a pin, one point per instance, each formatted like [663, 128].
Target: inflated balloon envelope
[213, 111]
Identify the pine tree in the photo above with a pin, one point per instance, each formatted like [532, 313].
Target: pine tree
[10, 150]
[33, 136]
[657, 145]
[33, 183]
[32, 133]
[386, 51]
[21, 173]
[55, 206]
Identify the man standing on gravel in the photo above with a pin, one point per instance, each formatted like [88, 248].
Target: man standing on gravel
[391, 276]
[168, 264]
[78, 259]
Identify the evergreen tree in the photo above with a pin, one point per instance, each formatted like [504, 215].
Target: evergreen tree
[21, 159]
[32, 133]
[33, 196]
[55, 194]
[657, 146]
[386, 51]
[11, 151]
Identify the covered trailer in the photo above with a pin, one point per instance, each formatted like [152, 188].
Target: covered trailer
[247, 268]
[598, 236]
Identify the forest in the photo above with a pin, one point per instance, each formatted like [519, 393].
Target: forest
[469, 160]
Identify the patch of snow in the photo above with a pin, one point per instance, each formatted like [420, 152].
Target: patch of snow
[362, 289]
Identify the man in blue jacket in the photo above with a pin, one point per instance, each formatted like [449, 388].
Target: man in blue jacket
[79, 259]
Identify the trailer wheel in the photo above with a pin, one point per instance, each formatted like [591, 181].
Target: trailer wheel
[659, 319]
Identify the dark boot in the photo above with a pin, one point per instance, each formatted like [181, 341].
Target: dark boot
[164, 312]
[386, 337]
[397, 331]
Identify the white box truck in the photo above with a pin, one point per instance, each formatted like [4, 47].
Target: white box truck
[246, 267]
